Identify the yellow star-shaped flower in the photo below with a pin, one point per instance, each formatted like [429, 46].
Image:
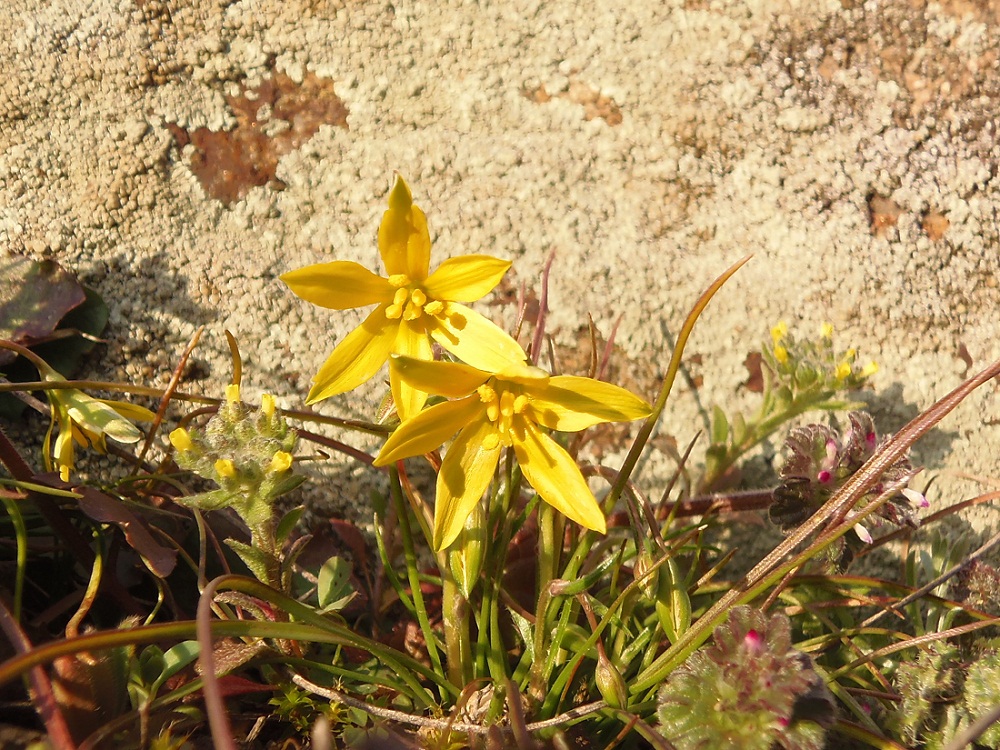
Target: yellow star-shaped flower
[415, 307]
[512, 408]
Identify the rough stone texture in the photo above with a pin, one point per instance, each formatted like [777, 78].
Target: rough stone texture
[181, 155]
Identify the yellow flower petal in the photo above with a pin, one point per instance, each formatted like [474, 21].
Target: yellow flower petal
[403, 240]
[225, 468]
[557, 479]
[411, 341]
[572, 403]
[97, 417]
[524, 374]
[181, 439]
[474, 339]
[340, 285]
[466, 278]
[450, 379]
[465, 475]
[281, 462]
[357, 358]
[63, 451]
[132, 412]
[429, 429]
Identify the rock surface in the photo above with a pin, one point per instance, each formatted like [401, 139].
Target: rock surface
[179, 156]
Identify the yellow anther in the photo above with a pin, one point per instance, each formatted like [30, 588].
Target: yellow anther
[233, 393]
[225, 468]
[400, 296]
[280, 462]
[507, 404]
[418, 296]
[412, 312]
[267, 405]
[181, 439]
[520, 404]
[492, 411]
[434, 307]
[486, 393]
[781, 354]
[399, 280]
[393, 312]
[826, 330]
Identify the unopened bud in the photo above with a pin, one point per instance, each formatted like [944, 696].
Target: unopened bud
[610, 683]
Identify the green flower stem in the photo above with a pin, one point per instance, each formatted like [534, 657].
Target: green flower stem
[21, 537]
[548, 552]
[490, 634]
[764, 425]
[412, 572]
[635, 452]
[537, 675]
[457, 635]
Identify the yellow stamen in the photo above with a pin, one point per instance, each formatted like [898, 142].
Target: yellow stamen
[418, 296]
[507, 404]
[399, 280]
[434, 307]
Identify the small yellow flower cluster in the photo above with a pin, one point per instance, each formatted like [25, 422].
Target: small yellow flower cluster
[246, 451]
[496, 400]
[809, 360]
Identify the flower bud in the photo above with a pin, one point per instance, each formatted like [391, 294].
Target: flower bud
[610, 682]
